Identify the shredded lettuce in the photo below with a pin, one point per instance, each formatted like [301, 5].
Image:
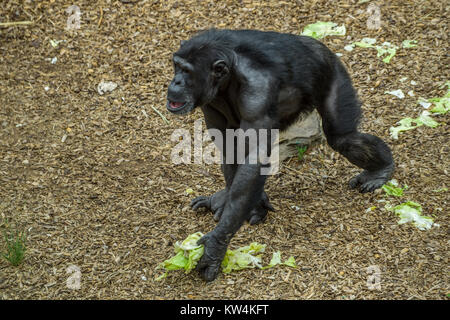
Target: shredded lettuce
[365, 43]
[320, 30]
[412, 212]
[425, 119]
[441, 104]
[188, 253]
[403, 125]
[386, 49]
[409, 43]
[407, 124]
[276, 260]
[243, 258]
[391, 188]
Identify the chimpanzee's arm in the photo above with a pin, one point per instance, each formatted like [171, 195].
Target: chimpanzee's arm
[216, 120]
[245, 191]
[257, 95]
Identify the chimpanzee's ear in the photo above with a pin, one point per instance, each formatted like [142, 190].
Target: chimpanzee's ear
[220, 68]
[182, 42]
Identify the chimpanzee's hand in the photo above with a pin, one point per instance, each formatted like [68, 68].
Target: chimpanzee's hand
[215, 249]
[215, 203]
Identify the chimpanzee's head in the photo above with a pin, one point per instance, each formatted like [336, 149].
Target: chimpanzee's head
[201, 69]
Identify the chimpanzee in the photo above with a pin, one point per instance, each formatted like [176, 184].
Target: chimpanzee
[265, 80]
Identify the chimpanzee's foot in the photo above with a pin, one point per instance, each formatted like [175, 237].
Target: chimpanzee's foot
[259, 213]
[368, 181]
[214, 203]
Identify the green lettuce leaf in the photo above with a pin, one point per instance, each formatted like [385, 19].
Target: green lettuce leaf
[407, 124]
[320, 30]
[365, 43]
[425, 119]
[412, 212]
[276, 260]
[391, 188]
[243, 258]
[409, 43]
[188, 253]
[386, 49]
[404, 125]
[441, 105]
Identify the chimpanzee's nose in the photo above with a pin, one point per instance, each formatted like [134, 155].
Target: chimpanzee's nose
[175, 91]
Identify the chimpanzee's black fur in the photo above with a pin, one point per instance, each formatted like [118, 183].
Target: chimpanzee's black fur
[264, 80]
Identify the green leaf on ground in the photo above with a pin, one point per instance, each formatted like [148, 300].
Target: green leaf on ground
[409, 43]
[391, 188]
[403, 125]
[425, 119]
[320, 30]
[386, 49]
[243, 258]
[407, 124]
[188, 253]
[276, 260]
[412, 212]
[441, 104]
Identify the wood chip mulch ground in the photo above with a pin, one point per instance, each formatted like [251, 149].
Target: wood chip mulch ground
[90, 176]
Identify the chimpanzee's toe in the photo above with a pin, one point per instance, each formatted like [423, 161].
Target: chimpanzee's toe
[372, 185]
[355, 181]
[368, 181]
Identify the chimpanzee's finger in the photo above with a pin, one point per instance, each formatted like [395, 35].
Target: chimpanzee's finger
[209, 273]
[200, 202]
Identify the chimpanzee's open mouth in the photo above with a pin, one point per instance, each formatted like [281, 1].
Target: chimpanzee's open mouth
[179, 107]
[176, 105]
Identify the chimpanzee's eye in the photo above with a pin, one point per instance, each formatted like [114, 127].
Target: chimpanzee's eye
[179, 68]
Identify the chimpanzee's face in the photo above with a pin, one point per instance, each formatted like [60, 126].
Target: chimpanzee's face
[181, 95]
[195, 83]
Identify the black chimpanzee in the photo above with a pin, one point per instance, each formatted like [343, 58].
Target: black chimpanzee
[264, 80]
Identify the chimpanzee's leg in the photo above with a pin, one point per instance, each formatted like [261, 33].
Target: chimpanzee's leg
[340, 113]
